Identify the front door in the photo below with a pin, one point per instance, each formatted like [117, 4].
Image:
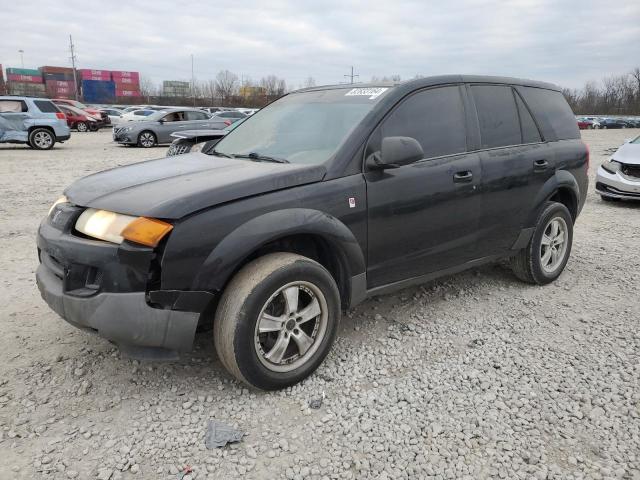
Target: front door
[423, 217]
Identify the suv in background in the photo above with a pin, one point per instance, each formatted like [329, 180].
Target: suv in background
[323, 198]
[38, 122]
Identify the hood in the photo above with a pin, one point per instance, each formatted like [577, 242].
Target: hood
[210, 134]
[628, 153]
[173, 187]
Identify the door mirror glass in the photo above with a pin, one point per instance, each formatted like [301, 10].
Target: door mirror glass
[396, 152]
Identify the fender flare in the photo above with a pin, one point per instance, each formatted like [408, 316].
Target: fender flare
[225, 258]
[561, 179]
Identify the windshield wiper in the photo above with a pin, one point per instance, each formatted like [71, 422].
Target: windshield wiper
[220, 154]
[262, 158]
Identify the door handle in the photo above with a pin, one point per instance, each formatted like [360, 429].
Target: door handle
[463, 177]
[540, 164]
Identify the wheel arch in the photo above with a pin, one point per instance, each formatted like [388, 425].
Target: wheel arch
[307, 232]
[563, 188]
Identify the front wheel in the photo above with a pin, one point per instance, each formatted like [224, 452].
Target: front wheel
[147, 139]
[82, 126]
[276, 320]
[544, 258]
[41, 139]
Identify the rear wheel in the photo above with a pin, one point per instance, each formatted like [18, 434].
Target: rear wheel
[147, 139]
[277, 320]
[82, 126]
[544, 258]
[41, 139]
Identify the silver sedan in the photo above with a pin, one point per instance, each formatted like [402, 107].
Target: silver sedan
[619, 177]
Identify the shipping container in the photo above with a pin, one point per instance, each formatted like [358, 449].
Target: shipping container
[3, 88]
[12, 77]
[25, 89]
[126, 81]
[117, 75]
[58, 83]
[128, 93]
[23, 71]
[58, 76]
[86, 74]
[50, 69]
[98, 91]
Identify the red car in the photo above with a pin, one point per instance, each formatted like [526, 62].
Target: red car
[585, 124]
[97, 114]
[79, 119]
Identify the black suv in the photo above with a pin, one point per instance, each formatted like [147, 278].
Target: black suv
[325, 197]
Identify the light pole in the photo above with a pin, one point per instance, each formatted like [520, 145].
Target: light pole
[21, 57]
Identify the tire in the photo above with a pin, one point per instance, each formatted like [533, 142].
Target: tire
[147, 139]
[42, 139]
[256, 292]
[529, 264]
[93, 127]
[82, 127]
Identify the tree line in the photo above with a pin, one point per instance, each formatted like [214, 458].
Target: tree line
[614, 95]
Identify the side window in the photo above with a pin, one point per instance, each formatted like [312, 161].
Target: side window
[497, 115]
[45, 106]
[434, 117]
[530, 133]
[13, 106]
[552, 112]
[174, 117]
[195, 116]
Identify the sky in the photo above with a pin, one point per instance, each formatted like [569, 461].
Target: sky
[565, 42]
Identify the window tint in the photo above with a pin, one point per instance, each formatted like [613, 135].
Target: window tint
[196, 116]
[45, 106]
[13, 106]
[530, 133]
[434, 117]
[497, 115]
[552, 112]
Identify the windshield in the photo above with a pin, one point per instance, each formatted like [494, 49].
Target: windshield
[636, 140]
[305, 127]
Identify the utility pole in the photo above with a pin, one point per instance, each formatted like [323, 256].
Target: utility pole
[73, 64]
[193, 83]
[351, 76]
[21, 57]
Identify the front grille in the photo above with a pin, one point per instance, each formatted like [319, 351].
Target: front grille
[631, 170]
[178, 149]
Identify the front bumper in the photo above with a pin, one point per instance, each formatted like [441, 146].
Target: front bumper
[122, 136]
[101, 287]
[617, 185]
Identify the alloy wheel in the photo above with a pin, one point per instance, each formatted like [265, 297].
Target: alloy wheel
[42, 140]
[553, 245]
[291, 326]
[81, 127]
[147, 139]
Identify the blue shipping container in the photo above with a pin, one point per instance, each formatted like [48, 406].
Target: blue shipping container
[98, 91]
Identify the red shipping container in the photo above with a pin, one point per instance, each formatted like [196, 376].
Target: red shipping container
[103, 75]
[127, 93]
[50, 69]
[24, 78]
[126, 82]
[118, 76]
[59, 83]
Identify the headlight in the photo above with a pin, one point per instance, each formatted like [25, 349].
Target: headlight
[62, 199]
[128, 129]
[197, 147]
[115, 227]
[612, 166]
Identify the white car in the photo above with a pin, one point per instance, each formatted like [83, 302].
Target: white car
[137, 115]
[619, 177]
[114, 114]
[247, 111]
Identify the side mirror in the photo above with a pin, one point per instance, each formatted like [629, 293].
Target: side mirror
[396, 152]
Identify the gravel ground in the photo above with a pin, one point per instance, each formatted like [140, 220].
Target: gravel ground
[473, 376]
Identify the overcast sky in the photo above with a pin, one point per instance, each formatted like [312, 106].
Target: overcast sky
[562, 41]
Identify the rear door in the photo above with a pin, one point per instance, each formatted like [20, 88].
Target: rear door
[423, 217]
[197, 120]
[173, 122]
[13, 117]
[516, 162]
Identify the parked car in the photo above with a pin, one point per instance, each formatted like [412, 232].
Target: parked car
[201, 141]
[633, 122]
[115, 115]
[584, 124]
[79, 119]
[95, 113]
[247, 111]
[324, 197]
[157, 128]
[619, 177]
[136, 115]
[231, 115]
[37, 122]
[613, 123]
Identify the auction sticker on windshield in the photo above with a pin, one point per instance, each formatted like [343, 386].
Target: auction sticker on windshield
[367, 92]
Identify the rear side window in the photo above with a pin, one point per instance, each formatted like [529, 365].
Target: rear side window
[552, 112]
[13, 106]
[196, 116]
[497, 115]
[530, 133]
[45, 106]
[434, 117]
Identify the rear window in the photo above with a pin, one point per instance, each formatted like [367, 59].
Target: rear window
[497, 115]
[45, 106]
[552, 112]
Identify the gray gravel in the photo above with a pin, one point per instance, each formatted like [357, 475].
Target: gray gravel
[473, 376]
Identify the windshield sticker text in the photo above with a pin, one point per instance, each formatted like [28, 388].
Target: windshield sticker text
[366, 92]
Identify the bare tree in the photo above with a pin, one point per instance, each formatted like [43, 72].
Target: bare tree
[226, 85]
[148, 88]
[309, 82]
